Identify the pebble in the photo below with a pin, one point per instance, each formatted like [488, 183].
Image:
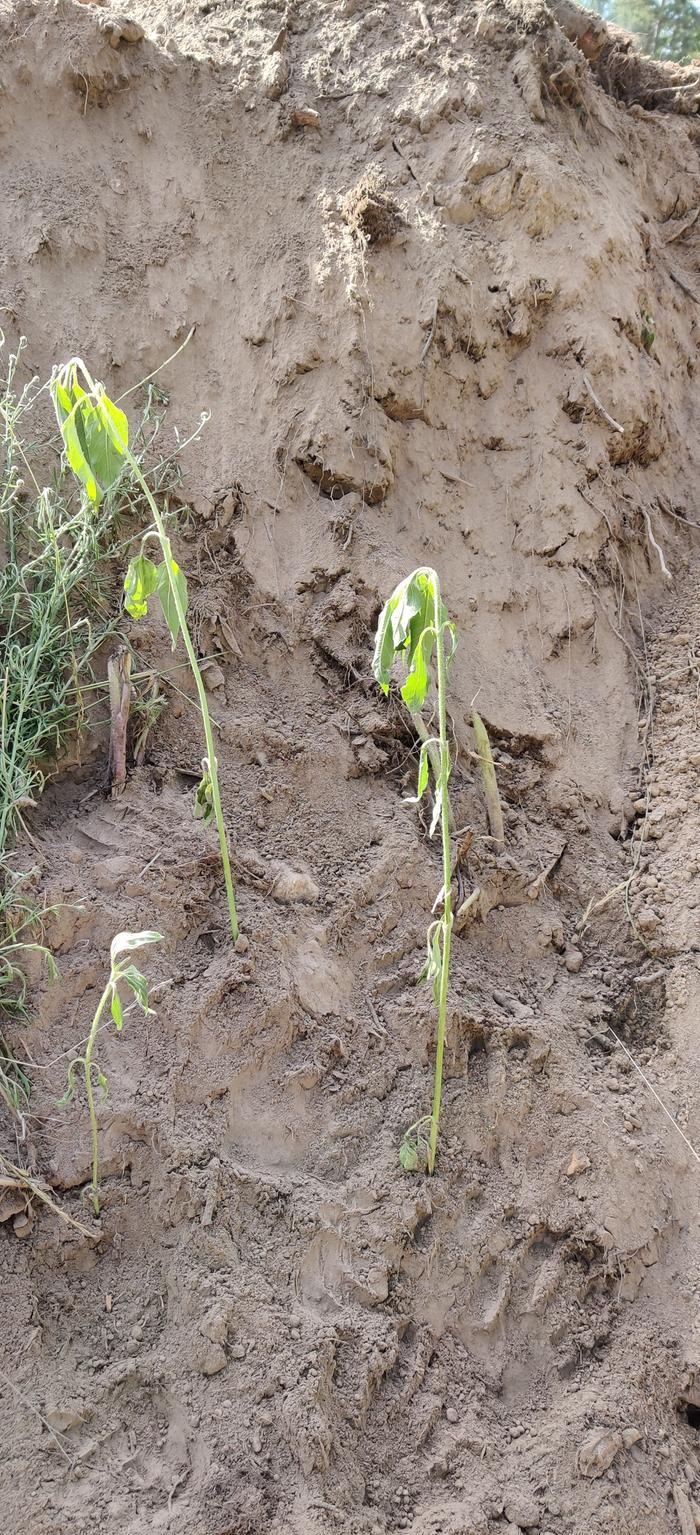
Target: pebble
[213, 1359]
[256, 1443]
[238, 1351]
[573, 960]
[452, 1415]
[521, 1509]
[242, 944]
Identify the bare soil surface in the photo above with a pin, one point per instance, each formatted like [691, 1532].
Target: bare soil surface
[441, 316]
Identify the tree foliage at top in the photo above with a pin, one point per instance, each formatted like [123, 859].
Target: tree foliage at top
[665, 29]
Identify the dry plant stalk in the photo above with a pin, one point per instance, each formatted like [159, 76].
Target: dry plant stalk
[494, 809]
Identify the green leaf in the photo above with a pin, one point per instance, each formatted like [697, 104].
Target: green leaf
[117, 1013]
[124, 943]
[95, 432]
[407, 629]
[204, 798]
[408, 1156]
[416, 685]
[102, 1083]
[165, 592]
[423, 771]
[140, 581]
[138, 984]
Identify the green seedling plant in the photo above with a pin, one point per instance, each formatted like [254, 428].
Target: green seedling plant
[96, 440]
[413, 626]
[123, 972]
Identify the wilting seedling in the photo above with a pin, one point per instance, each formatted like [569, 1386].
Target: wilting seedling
[121, 970]
[96, 438]
[412, 625]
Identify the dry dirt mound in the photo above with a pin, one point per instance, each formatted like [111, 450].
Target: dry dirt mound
[440, 315]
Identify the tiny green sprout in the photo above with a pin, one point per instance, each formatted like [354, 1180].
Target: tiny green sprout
[412, 626]
[648, 329]
[204, 797]
[124, 972]
[96, 440]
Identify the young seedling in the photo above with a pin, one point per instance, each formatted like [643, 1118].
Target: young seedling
[413, 624]
[122, 970]
[96, 439]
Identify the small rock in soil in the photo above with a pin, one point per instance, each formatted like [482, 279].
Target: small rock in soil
[212, 1359]
[598, 1452]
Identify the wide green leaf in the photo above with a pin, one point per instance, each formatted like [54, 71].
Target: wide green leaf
[95, 432]
[166, 581]
[140, 581]
[406, 630]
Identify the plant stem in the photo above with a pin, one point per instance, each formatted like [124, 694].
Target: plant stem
[201, 691]
[88, 1087]
[446, 876]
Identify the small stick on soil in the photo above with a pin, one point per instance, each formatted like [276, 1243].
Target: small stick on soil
[657, 547]
[424, 21]
[431, 334]
[683, 1510]
[31, 1408]
[654, 1093]
[119, 675]
[683, 286]
[679, 233]
[539, 883]
[601, 408]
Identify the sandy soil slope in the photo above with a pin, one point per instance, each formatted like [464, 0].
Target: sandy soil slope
[423, 312]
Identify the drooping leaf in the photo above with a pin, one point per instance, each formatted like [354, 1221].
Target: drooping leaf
[117, 1012]
[124, 943]
[167, 601]
[102, 1083]
[140, 581]
[423, 771]
[406, 630]
[138, 984]
[70, 1083]
[437, 809]
[95, 432]
[433, 964]
[415, 687]
[204, 798]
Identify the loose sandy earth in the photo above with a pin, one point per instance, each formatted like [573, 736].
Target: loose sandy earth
[278, 1330]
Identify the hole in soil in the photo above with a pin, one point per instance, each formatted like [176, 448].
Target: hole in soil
[691, 1414]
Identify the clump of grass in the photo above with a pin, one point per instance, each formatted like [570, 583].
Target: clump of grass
[412, 625]
[96, 439]
[53, 619]
[121, 972]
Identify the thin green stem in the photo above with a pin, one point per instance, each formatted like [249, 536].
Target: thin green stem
[446, 876]
[92, 1036]
[201, 691]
